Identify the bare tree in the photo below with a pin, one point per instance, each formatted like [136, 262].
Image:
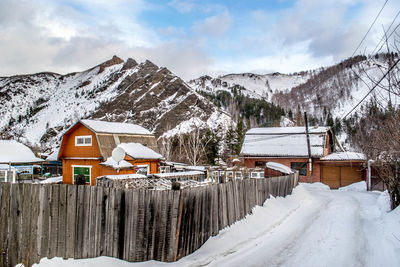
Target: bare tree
[193, 146]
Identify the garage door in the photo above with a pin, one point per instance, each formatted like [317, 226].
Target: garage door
[337, 177]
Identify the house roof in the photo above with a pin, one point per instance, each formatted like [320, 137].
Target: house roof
[139, 151]
[110, 134]
[115, 127]
[345, 156]
[284, 142]
[177, 174]
[12, 151]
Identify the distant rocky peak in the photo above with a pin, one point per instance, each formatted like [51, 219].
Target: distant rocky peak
[114, 61]
[129, 64]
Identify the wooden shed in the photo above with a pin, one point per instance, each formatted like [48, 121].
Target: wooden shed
[87, 146]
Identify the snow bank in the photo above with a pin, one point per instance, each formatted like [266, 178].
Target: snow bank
[356, 187]
[316, 186]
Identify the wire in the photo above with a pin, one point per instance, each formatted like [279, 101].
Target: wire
[369, 28]
[371, 89]
[385, 33]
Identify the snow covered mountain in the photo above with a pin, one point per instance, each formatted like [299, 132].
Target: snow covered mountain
[334, 89]
[252, 85]
[38, 108]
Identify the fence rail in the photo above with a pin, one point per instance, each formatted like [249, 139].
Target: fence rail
[72, 221]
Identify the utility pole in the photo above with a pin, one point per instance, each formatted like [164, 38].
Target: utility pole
[308, 147]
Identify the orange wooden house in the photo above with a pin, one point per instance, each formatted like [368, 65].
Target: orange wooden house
[87, 146]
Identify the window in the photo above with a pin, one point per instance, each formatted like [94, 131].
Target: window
[142, 169]
[260, 164]
[82, 170]
[300, 166]
[83, 140]
[3, 176]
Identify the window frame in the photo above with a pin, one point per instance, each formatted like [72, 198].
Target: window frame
[82, 166]
[304, 168]
[142, 166]
[84, 138]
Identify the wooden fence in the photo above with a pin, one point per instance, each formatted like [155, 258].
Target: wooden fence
[72, 221]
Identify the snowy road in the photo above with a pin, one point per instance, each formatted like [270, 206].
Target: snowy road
[313, 227]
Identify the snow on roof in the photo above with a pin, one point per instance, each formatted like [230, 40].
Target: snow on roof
[12, 151]
[53, 156]
[52, 180]
[123, 176]
[177, 174]
[343, 156]
[283, 142]
[139, 151]
[279, 167]
[6, 167]
[287, 130]
[195, 168]
[123, 164]
[115, 127]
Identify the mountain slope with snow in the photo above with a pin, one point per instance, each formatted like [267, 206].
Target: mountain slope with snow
[39, 108]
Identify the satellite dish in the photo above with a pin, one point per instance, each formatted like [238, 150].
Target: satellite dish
[118, 154]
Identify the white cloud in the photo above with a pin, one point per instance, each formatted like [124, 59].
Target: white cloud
[215, 26]
[182, 6]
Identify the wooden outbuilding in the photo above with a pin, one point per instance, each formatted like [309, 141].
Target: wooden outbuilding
[330, 164]
[86, 149]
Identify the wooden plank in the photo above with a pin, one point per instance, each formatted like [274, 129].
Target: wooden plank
[164, 216]
[148, 229]
[32, 248]
[241, 199]
[79, 221]
[236, 199]
[128, 223]
[116, 223]
[72, 191]
[85, 221]
[4, 224]
[205, 215]
[13, 224]
[92, 222]
[98, 219]
[62, 221]
[25, 223]
[102, 238]
[45, 233]
[54, 203]
[138, 246]
[169, 202]
[133, 223]
[176, 220]
[215, 209]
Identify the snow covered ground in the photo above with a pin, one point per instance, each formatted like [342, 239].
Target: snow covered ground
[315, 226]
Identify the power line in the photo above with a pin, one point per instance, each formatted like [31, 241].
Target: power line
[385, 33]
[369, 28]
[371, 89]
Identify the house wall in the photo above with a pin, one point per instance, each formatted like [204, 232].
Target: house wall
[100, 170]
[316, 166]
[69, 150]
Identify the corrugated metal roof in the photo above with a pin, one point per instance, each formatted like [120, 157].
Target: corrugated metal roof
[284, 142]
[345, 156]
[114, 127]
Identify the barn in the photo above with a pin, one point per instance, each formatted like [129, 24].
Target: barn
[324, 160]
[86, 149]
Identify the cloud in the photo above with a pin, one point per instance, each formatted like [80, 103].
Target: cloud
[182, 6]
[214, 26]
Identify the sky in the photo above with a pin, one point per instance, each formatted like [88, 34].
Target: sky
[189, 37]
